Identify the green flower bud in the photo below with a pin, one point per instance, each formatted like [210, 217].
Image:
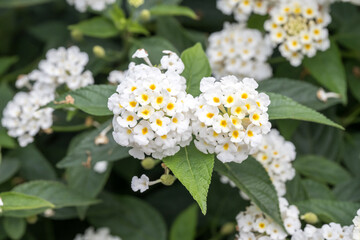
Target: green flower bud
[32, 219]
[148, 163]
[145, 15]
[99, 51]
[167, 179]
[77, 35]
[310, 218]
[227, 228]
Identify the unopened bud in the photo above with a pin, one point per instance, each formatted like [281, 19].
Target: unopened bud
[148, 163]
[77, 35]
[49, 212]
[227, 228]
[136, 3]
[32, 219]
[145, 15]
[310, 218]
[324, 96]
[167, 179]
[99, 51]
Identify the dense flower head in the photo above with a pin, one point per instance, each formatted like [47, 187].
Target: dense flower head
[100, 234]
[254, 224]
[276, 155]
[243, 8]
[97, 5]
[61, 66]
[331, 231]
[230, 118]
[151, 108]
[299, 27]
[239, 51]
[23, 116]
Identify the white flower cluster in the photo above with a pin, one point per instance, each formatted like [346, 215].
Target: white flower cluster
[255, 225]
[331, 231]
[276, 155]
[100, 234]
[151, 108]
[22, 116]
[299, 27]
[97, 5]
[230, 118]
[239, 51]
[243, 8]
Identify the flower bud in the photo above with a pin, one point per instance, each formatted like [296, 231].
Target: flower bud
[32, 219]
[145, 15]
[148, 163]
[167, 179]
[310, 218]
[136, 3]
[99, 51]
[77, 35]
[227, 228]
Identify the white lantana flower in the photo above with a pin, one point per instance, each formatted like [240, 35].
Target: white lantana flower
[253, 224]
[116, 76]
[276, 155]
[140, 184]
[1, 204]
[239, 51]
[230, 118]
[356, 231]
[83, 5]
[100, 234]
[22, 116]
[243, 8]
[151, 108]
[299, 27]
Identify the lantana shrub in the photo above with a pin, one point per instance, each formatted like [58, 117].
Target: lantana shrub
[156, 120]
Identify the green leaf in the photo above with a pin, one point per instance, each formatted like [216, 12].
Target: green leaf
[91, 99]
[251, 178]
[282, 107]
[328, 70]
[193, 169]
[5, 140]
[14, 227]
[8, 168]
[21, 3]
[172, 10]
[196, 67]
[6, 63]
[318, 139]
[352, 154]
[329, 210]
[154, 46]
[348, 191]
[87, 182]
[128, 217]
[14, 201]
[54, 192]
[300, 91]
[295, 190]
[98, 27]
[135, 27]
[84, 146]
[321, 169]
[34, 165]
[184, 227]
[316, 190]
[181, 38]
